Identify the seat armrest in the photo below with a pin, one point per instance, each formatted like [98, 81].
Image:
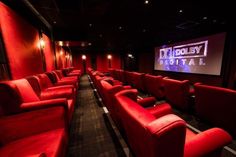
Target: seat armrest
[26, 124]
[37, 155]
[160, 110]
[44, 104]
[148, 101]
[115, 89]
[127, 87]
[60, 86]
[207, 142]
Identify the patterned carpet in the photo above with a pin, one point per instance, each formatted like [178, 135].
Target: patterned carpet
[91, 134]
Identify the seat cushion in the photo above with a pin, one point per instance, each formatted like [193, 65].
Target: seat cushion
[52, 143]
[57, 93]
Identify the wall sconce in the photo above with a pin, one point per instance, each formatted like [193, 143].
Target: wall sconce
[60, 43]
[109, 57]
[41, 44]
[83, 57]
[109, 60]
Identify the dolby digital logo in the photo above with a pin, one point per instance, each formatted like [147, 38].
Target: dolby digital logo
[187, 54]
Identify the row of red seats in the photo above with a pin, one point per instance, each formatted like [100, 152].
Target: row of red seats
[35, 114]
[216, 105]
[154, 131]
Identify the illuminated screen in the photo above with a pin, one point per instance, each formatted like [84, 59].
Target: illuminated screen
[202, 55]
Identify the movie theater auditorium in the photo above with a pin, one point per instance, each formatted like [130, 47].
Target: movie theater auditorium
[177, 101]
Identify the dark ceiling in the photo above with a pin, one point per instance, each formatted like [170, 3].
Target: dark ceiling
[120, 25]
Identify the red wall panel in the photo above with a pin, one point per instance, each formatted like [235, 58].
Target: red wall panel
[116, 61]
[103, 62]
[146, 62]
[21, 40]
[60, 57]
[78, 63]
[48, 53]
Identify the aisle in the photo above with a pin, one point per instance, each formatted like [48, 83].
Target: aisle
[90, 133]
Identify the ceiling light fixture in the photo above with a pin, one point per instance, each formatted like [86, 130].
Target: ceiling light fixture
[180, 11]
[146, 1]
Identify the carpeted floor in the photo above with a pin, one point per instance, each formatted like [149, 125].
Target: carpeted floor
[91, 134]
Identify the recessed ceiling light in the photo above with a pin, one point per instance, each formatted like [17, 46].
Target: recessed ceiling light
[90, 25]
[180, 11]
[204, 18]
[146, 2]
[89, 44]
[120, 27]
[54, 22]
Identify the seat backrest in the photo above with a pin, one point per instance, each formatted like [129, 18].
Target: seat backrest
[217, 105]
[34, 82]
[59, 73]
[52, 77]
[177, 93]
[14, 93]
[27, 93]
[44, 81]
[138, 80]
[154, 85]
[56, 76]
[148, 136]
[10, 99]
[128, 78]
[109, 92]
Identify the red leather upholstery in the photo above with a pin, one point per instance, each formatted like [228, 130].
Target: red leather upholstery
[18, 96]
[51, 92]
[56, 80]
[138, 80]
[148, 136]
[216, 105]
[157, 110]
[177, 93]
[70, 71]
[154, 85]
[166, 136]
[128, 78]
[35, 133]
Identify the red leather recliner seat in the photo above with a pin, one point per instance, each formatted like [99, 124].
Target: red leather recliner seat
[18, 96]
[216, 105]
[166, 136]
